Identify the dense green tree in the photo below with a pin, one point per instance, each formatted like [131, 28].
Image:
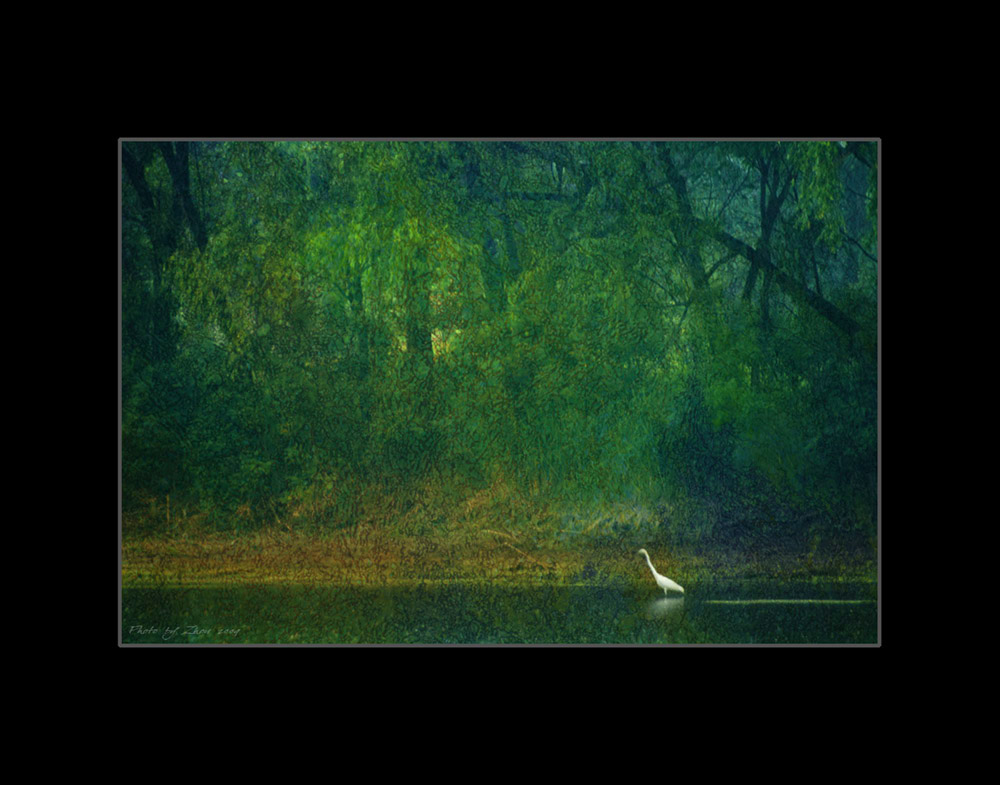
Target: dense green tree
[685, 324]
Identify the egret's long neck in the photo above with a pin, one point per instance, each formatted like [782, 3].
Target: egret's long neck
[651, 567]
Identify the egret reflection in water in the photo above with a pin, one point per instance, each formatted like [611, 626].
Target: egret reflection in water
[664, 607]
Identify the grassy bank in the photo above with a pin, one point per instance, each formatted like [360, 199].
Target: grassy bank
[370, 556]
[495, 535]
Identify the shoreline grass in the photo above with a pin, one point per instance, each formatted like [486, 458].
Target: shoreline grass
[374, 556]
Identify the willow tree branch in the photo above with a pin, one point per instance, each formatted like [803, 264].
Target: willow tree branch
[176, 158]
[794, 289]
[759, 259]
[860, 247]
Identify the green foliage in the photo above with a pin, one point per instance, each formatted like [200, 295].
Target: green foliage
[818, 177]
[579, 322]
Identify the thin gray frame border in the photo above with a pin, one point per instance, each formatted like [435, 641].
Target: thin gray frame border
[624, 139]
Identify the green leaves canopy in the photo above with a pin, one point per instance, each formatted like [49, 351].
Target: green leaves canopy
[582, 319]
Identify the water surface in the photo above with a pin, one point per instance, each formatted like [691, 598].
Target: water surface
[746, 612]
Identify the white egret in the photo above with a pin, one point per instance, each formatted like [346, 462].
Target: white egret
[661, 580]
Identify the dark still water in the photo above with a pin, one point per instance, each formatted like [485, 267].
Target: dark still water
[741, 613]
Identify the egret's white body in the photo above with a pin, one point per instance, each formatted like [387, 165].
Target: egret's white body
[661, 580]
